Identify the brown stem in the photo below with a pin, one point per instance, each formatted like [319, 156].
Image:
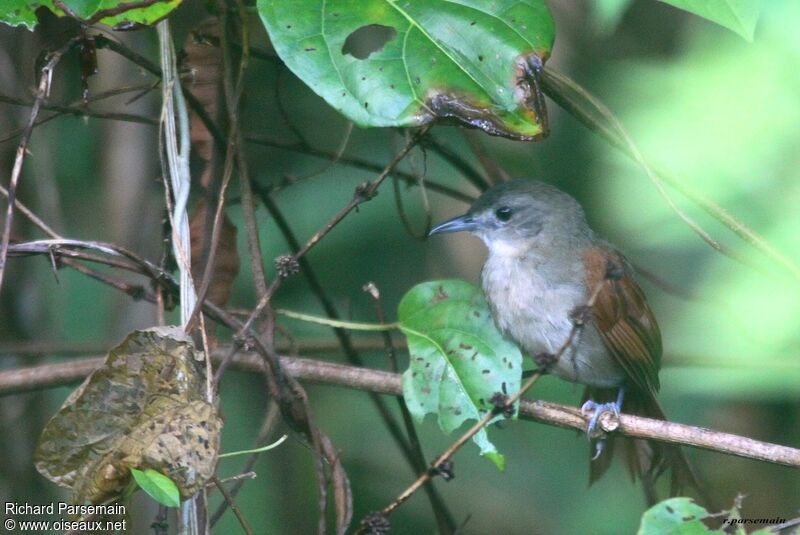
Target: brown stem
[43, 376]
[232, 504]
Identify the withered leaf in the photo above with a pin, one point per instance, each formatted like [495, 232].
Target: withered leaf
[144, 408]
[226, 262]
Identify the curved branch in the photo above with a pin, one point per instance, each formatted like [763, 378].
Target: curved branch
[382, 382]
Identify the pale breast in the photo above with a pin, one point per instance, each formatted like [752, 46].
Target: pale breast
[536, 313]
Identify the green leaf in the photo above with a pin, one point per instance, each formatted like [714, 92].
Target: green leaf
[22, 12]
[161, 488]
[675, 516]
[458, 358]
[737, 15]
[19, 12]
[393, 63]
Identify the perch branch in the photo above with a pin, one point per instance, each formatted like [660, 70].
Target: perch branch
[43, 376]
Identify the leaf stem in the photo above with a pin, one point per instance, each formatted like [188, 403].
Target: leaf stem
[352, 325]
[256, 450]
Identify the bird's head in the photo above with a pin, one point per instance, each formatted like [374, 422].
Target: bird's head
[522, 215]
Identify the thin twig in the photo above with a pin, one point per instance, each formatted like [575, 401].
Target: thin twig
[42, 92]
[232, 504]
[78, 108]
[455, 159]
[493, 170]
[33, 218]
[444, 519]
[356, 162]
[345, 341]
[262, 439]
[102, 41]
[294, 393]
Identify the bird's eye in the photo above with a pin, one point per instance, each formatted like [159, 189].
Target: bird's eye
[503, 213]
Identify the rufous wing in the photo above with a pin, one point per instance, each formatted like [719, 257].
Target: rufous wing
[622, 317]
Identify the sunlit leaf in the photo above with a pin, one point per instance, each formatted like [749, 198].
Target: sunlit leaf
[675, 516]
[458, 358]
[122, 14]
[740, 16]
[144, 408]
[161, 488]
[392, 63]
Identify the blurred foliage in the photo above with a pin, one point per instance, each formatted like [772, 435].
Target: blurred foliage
[720, 112]
[114, 13]
[732, 137]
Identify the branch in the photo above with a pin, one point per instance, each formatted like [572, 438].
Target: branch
[42, 92]
[369, 380]
[353, 161]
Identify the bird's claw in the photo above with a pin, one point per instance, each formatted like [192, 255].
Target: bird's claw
[598, 448]
[596, 409]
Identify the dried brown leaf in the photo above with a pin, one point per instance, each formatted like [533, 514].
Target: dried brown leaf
[226, 262]
[144, 408]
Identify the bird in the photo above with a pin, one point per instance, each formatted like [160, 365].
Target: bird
[546, 269]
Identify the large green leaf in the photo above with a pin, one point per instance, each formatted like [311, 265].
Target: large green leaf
[737, 15]
[393, 63]
[458, 358]
[22, 12]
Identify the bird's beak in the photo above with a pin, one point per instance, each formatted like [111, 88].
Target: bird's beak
[457, 224]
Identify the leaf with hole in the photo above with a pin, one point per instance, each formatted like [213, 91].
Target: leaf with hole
[119, 14]
[458, 359]
[393, 63]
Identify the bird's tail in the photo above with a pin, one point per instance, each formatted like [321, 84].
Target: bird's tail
[646, 460]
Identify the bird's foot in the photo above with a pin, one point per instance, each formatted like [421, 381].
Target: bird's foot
[596, 410]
